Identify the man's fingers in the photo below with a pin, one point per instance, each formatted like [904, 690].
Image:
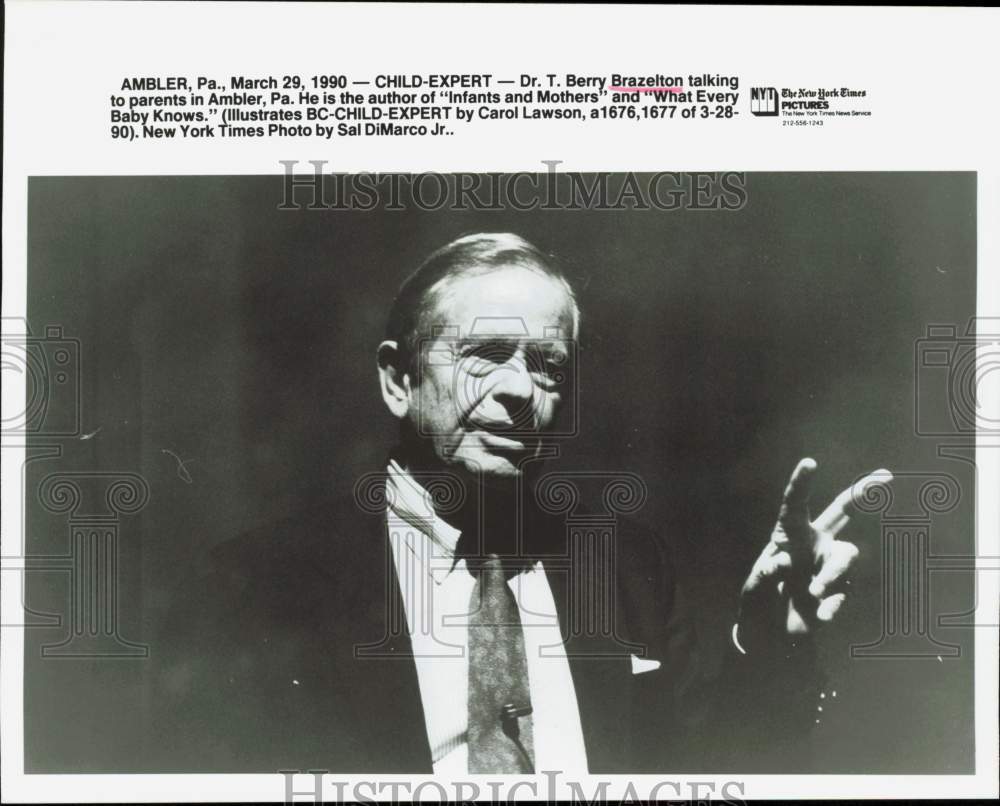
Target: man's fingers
[793, 518]
[829, 606]
[861, 491]
[836, 516]
[776, 564]
[835, 565]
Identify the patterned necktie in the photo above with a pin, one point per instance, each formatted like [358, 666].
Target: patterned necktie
[500, 730]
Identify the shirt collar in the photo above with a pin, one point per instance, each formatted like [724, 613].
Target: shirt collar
[410, 502]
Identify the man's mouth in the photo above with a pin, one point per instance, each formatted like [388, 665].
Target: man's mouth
[501, 442]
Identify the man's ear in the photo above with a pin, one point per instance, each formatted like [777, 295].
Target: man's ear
[395, 383]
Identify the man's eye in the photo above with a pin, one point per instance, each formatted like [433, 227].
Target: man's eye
[489, 352]
[480, 359]
[550, 363]
[554, 364]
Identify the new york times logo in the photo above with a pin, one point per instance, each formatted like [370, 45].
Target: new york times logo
[764, 102]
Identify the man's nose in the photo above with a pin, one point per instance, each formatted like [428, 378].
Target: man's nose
[514, 388]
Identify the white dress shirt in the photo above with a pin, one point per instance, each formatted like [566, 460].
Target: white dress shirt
[436, 592]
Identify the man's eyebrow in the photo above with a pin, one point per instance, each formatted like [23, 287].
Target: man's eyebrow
[512, 338]
[490, 338]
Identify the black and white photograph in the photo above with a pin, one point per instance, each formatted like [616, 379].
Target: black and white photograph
[606, 490]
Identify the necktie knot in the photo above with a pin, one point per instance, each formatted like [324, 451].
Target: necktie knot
[493, 568]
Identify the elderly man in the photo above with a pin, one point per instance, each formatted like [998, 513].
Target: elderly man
[446, 619]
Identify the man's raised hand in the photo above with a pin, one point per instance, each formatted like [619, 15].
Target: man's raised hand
[800, 578]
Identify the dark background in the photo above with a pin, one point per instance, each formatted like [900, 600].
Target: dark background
[718, 348]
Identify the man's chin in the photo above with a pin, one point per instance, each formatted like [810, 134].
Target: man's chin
[495, 465]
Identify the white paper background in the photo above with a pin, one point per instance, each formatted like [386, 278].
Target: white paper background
[930, 74]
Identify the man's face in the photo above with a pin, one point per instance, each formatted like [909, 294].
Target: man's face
[494, 371]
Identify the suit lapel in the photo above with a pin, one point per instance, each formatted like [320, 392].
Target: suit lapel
[384, 689]
[600, 668]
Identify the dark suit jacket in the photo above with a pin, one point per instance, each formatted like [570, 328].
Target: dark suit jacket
[292, 653]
